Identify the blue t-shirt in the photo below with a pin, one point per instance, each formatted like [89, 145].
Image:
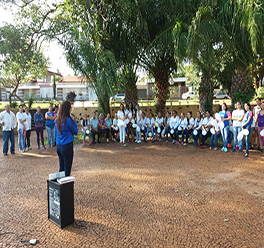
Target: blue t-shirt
[108, 123]
[67, 131]
[50, 123]
[246, 117]
[225, 115]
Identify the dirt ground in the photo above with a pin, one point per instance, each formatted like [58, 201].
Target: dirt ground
[142, 195]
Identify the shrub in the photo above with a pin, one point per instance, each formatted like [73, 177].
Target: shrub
[31, 99]
[260, 93]
[13, 105]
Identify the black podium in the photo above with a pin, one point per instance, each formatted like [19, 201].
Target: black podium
[60, 203]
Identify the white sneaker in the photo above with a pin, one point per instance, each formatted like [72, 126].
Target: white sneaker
[136, 141]
[107, 140]
[210, 148]
[139, 142]
[21, 150]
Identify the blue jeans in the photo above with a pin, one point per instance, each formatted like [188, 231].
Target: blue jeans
[85, 134]
[214, 137]
[195, 137]
[225, 132]
[21, 139]
[167, 131]
[186, 133]
[8, 135]
[65, 154]
[138, 134]
[230, 137]
[149, 130]
[237, 130]
[51, 135]
[159, 134]
[247, 140]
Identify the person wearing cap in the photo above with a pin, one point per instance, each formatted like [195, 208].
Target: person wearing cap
[237, 117]
[174, 123]
[197, 127]
[9, 123]
[246, 124]
[260, 124]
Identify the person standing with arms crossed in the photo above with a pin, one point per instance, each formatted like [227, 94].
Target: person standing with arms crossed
[8, 121]
[50, 126]
[65, 128]
[38, 119]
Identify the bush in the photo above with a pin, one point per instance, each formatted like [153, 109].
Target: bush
[71, 96]
[13, 105]
[31, 99]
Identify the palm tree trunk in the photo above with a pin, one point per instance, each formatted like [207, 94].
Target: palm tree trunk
[240, 84]
[162, 86]
[130, 87]
[206, 95]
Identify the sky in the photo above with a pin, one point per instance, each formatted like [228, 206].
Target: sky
[52, 50]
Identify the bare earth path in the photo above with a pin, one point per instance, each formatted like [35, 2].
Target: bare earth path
[143, 195]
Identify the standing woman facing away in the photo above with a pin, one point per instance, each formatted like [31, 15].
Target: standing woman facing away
[65, 129]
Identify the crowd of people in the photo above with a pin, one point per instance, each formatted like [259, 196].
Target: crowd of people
[22, 121]
[131, 124]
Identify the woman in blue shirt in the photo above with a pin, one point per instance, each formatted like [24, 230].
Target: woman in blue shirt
[65, 129]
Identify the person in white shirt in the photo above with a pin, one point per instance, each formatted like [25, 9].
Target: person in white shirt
[197, 128]
[144, 120]
[9, 123]
[182, 125]
[150, 124]
[216, 135]
[130, 115]
[207, 124]
[174, 123]
[167, 125]
[237, 117]
[21, 128]
[159, 123]
[122, 124]
[188, 128]
[86, 129]
[28, 128]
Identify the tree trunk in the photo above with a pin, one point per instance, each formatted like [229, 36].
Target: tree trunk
[130, 87]
[206, 95]
[162, 86]
[241, 84]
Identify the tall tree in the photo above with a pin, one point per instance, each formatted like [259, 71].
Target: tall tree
[20, 59]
